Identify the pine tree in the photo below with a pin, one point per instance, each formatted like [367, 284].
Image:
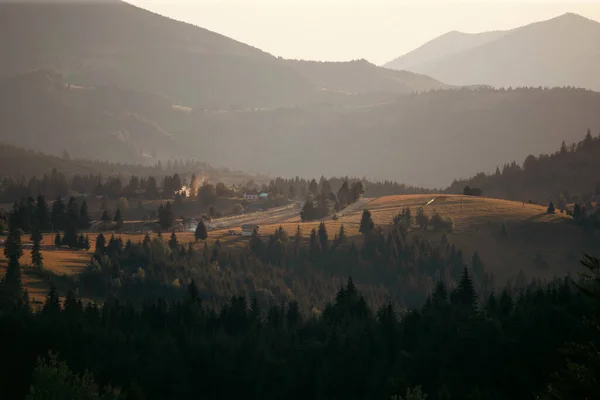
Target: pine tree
[366, 223]
[81, 241]
[100, 245]
[84, 216]
[173, 244]
[52, 304]
[13, 251]
[166, 218]
[58, 217]
[118, 218]
[341, 237]
[200, 233]
[70, 237]
[42, 213]
[551, 209]
[147, 242]
[421, 219]
[314, 246]
[344, 195]
[57, 240]
[105, 217]
[313, 187]
[465, 292]
[37, 260]
[256, 245]
[297, 240]
[357, 190]
[323, 237]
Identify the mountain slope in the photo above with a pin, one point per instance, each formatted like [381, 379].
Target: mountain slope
[425, 140]
[559, 52]
[571, 170]
[117, 43]
[360, 76]
[38, 110]
[440, 47]
[114, 43]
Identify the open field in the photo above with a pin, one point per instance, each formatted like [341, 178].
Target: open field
[477, 223]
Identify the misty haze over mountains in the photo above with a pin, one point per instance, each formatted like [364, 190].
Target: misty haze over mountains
[562, 51]
[115, 82]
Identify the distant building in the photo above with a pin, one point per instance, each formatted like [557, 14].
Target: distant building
[247, 229]
[251, 195]
[263, 196]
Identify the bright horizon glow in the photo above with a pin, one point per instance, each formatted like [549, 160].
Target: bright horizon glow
[341, 30]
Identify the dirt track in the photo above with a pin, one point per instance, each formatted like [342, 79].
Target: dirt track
[276, 215]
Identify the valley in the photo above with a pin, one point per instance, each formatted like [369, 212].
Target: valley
[184, 215]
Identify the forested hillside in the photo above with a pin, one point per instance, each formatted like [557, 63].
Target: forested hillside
[443, 348]
[423, 139]
[571, 173]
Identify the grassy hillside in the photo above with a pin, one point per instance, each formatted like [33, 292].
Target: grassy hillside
[558, 52]
[477, 225]
[537, 244]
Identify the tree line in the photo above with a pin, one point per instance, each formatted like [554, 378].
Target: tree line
[568, 175]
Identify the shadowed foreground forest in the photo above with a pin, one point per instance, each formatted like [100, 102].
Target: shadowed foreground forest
[539, 340]
[510, 347]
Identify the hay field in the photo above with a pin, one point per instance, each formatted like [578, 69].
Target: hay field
[477, 221]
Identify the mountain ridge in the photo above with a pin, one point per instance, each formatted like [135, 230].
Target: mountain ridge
[557, 52]
[117, 43]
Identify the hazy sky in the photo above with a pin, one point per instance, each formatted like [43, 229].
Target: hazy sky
[378, 30]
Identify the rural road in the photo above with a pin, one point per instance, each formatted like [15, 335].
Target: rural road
[276, 215]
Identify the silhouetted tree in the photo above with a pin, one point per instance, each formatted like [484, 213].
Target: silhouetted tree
[200, 233]
[366, 223]
[37, 260]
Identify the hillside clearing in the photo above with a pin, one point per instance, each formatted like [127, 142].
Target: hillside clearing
[538, 244]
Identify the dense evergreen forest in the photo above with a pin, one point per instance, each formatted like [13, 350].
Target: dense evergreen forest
[413, 320]
[508, 346]
[571, 173]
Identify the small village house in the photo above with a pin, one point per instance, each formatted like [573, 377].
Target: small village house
[250, 195]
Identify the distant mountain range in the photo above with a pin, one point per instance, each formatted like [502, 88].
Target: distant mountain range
[117, 83]
[563, 51]
[115, 43]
